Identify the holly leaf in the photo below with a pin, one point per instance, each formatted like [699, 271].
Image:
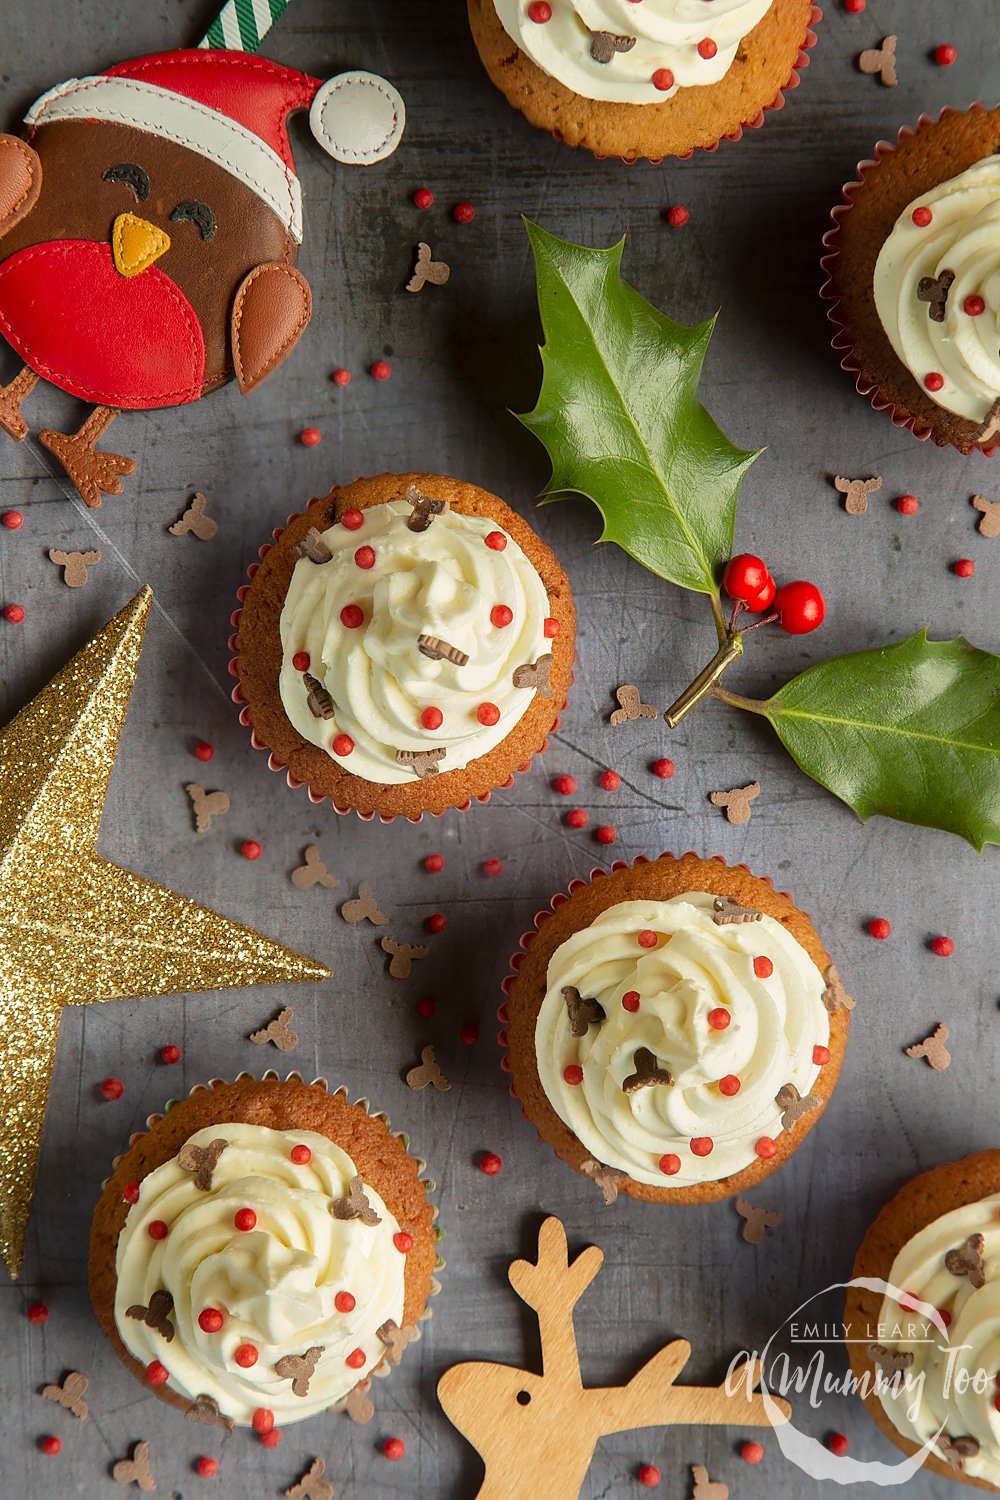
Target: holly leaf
[619, 415]
[911, 731]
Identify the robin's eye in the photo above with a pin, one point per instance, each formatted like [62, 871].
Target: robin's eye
[133, 177]
[198, 213]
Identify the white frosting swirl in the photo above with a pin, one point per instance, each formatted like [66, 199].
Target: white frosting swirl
[696, 968]
[963, 238]
[442, 582]
[951, 1385]
[667, 35]
[274, 1284]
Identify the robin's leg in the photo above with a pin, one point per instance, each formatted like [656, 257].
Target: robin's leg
[93, 473]
[11, 397]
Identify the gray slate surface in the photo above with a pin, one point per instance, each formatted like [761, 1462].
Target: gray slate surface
[461, 356]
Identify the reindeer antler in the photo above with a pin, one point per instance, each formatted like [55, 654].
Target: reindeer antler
[553, 1285]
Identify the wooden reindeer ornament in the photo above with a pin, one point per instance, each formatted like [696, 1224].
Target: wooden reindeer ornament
[536, 1434]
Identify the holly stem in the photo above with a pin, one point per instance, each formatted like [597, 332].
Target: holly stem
[737, 700]
[720, 619]
[704, 683]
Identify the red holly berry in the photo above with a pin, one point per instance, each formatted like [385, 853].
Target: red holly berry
[463, 213]
[745, 576]
[437, 922]
[393, 1447]
[112, 1088]
[945, 55]
[577, 817]
[606, 833]
[341, 377]
[210, 1320]
[729, 1085]
[495, 540]
[490, 1163]
[12, 520]
[403, 1242]
[365, 557]
[752, 1453]
[492, 867]
[251, 849]
[425, 1007]
[157, 1373]
[245, 1219]
[300, 1155]
[434, 864]
[573, 1074]
[702, 1145]
[37, 1313]
[564, 785]
[355, 1359]
[157, 1229]
[13, 613]
[204, 751]
[944, 947]
[662, 79]
[170, 1054]
[432, 718]
[800, 606]
[707, 48]
[352, 616]
[763, 967]
[763, 600]
[649, 1475]
[551, 627]
[205, 1467]
[501, 615]
[342, 745]
[301, 661]
[630, 1001]
[963, 568]
[246, 1356]
[130, 1192]
[974, 306]
[50, 1445]
[879, 927]
[309, 437]
[609, 780]
[262, 1419]
[381, 370]
[488, 714]
[271, 1438]
[922, 216]
[907, 505]
[664, 768]
[934, 380]
[821, 1055]
[676, 215]
[719, 1018]
[647, 938]
[766, 1148]
[352, 519]
[669, 1164]
[837, 1443]
[469, 1034]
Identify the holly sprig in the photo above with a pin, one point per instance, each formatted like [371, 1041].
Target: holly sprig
[909, 730]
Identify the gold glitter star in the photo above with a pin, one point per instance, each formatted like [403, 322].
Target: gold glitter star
[75, 929]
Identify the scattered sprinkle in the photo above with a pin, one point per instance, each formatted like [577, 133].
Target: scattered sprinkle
[945, 55]
[963, 568]
[170, 1054]
[278, 1031]
[206, 1467]
[434, 863]
[463, 213]
[564, 785]
[610, 781]
[649, 1475]
[310, 437]
[423, 198]
[313, 872]
[112, 1088]
[989, 520]
[736, 801]
[821, 1055]
[271, 1438]
[12, 520]
[341, 377]
[251, 849]
[492, 867]
[469, 1034]
[664, 768]
[837, 1443]
[669, 1164]
[425, 1007]
[632, 706]
[881, 61]
[752, 1453]
[879, 927]
[907, 505]
[37, 1313]
[606, 833]
[427, 1073]
[577, 817]
[380, 370]
[196, 520]
[755, 1220]
[203, 751]
[394, 1448]
[677, 215]
[13, 613]
[206, 806]
[856, 492]
[490, 1163]
[50, 1445]
[933, 1049]
[436, 922]
[262, 1419]
[427, 271]
[943, 946]
[74, 565]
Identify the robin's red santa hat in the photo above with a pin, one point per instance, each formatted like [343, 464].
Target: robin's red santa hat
[233, 108]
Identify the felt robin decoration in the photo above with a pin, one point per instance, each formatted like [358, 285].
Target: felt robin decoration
[148, 232]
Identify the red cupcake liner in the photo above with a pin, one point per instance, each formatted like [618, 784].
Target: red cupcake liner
[842, 343]
[277, 765]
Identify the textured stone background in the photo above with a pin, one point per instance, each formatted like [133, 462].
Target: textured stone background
[461, 357]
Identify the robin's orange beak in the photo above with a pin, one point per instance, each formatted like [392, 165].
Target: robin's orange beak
[136, 244]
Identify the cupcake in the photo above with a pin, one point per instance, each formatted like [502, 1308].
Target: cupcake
[405, 646]
[675, 1029]
[264, 1249]
[925, 1353]
[651, 80]
[914, 268]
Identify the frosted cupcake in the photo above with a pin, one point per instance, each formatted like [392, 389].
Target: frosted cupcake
[926, 1354]
[262, 1251]
[406, 645]
[914, 269]
[643, 80]
[675, 1029]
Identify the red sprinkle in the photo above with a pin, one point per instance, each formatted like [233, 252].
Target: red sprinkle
[342, 745]
[157, 1230]
[351, 616]
[300, 1155]
[719, 1018]
[204, 751]
[425, 1007]
[12, 520]
[423, 197]
[963, 568]
[246, 1356]
[13, 613]
[130, 1192]
[649, 1474]
[973, 306]
[463, 213]
[170, 1054]
[934, 381]
[670, 1164]
[37, 1313]
[573, 1074]
[380, 370]
[309, 437]
[156, 1373]
[676, 215]
[495, 540]
[944, 947]
[729, 1085]
[490, 1163]
[702, 1145]
[437, 922]
[501, 615]
[403, 1242]
[365, 557]
[353, 519]
[488, 714]
[647, 938]
[837, 1444]
[662, 79]
[630, 1001]
[945, 55]
[855, 7]
[551, 627]
[821, 1055]
[50, 1445]
[752, 1453]
[469, 1034]
[922, 216]
[112, 1088]
[434, 863]
[302, 661]
[245, 1219]
[907, 505]
[250, 849]
[394, 1448]
[606, 833]
[205, 1467]
[271, 1438]
[432, 718]
[262, 1419]
[564, 785]
[577, 817]
[763, 967]
[355, 1359]
[609, 780]
[766, 1148]
[210, 1320]
[663, 768]
[341, 377]
[879, 927]
[492, 867]
[707, 48]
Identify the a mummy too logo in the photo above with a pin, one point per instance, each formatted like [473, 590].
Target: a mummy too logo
[910, 1363]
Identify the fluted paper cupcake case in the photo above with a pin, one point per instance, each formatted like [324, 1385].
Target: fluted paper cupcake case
[428, 1183]
[842, 342]
[277, 765]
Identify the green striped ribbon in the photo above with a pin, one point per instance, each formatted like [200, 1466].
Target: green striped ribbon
[242, 25]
